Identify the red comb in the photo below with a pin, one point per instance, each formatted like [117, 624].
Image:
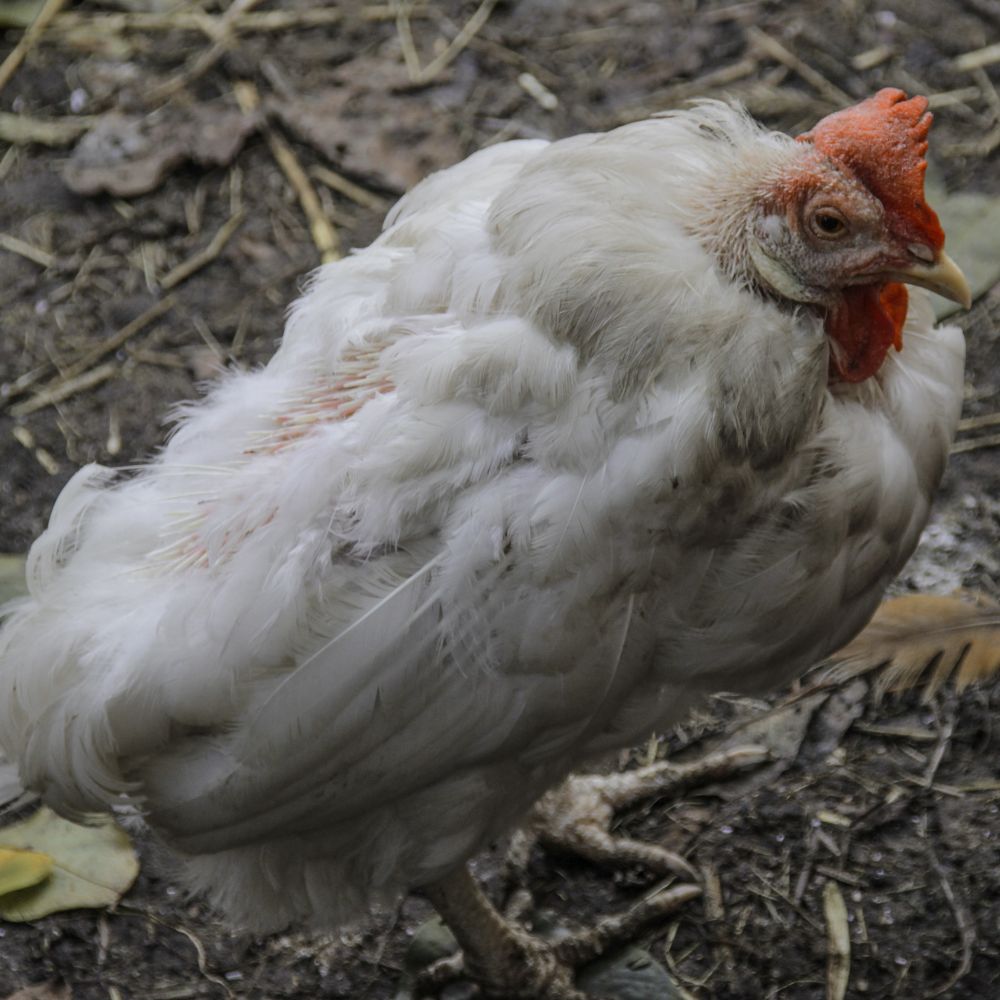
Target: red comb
[883, 141]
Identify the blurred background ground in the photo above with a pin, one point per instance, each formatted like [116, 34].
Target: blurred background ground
[170, 171]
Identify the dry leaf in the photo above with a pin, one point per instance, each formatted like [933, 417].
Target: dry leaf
[129, 155]
[348, 126]
[92, 865]
[925, 639]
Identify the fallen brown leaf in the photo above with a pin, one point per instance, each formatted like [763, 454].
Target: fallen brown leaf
[128, 155]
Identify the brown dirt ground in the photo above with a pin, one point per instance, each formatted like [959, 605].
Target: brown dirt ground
[917, 861]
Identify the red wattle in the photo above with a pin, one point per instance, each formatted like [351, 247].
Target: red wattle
[864, 326]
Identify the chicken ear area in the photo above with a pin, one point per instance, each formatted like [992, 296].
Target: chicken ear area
[867, 322]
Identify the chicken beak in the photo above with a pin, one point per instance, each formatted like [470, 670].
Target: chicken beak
[943, 276]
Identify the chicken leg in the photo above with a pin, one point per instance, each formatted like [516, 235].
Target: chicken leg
[508, 963]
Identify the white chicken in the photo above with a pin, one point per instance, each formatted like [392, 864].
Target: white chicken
[594, 429]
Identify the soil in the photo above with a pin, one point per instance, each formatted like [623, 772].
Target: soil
[895, 802]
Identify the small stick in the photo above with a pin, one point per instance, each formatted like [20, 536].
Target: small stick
[963, 920]
[44, 458]
[65, 388]
[9, 66]
[84, 362]
[977, 423]
[323, 234]
[221, 31]
[405, 33]
[204, 256]
[37, 256]
[355, 192]
[20, 130]
[772, 47]
[263, 21]
[838, 942]
[978, 58]
[974, 444]
[458, 43]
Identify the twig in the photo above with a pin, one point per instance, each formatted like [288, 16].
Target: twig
[258, 21]
[9, 66]
[944, 739]
[204, 256]
[410, 57]
[20, 130]
[978, 58]
[65, 388]
[772, 47]
[458, 43]
[323, 234]
[44, 458]
[87, 359]
[978, 423]
[222, 32]
[966, 926]
[974, 444]
[362, 196]
[199, 948]
[838, 942]
[715, 914]
[37, 256]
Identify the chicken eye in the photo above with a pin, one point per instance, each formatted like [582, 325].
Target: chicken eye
[828, 224]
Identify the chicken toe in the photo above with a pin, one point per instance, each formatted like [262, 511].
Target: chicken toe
[577, 815]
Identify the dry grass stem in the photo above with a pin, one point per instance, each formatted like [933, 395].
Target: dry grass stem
[20, 130]
[261, 21]
[26, 439]
[9, 66]
[772, 47]
[978, 58]
[197, 261]
[37, 256]
[87, 359]
[975, 444]
[978, 423]
[324, 236]
[838, 942]
[222, 32]
[358, 194]
[458, 43]
[65, 388]
[965, 923]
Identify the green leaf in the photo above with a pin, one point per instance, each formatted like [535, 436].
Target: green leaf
[92, 866]
[22, 869]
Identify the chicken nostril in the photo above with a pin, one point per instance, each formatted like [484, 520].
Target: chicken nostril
[922, 252]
